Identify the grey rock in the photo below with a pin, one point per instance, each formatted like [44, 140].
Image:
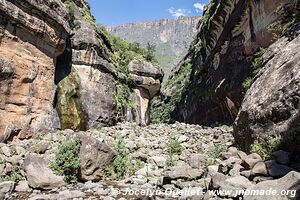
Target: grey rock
[258, 179]
[197, 160]
[268, 110]
[212, 170]
[182, 172]
[235, 171]
[218, 180]
[160, 161]
[276, 170]
[40, 197]
[259, 169]
[250, 161]
[236, 184]
[6, 151]
[69, 194]
[39, 175]
[288, 182]
[22, 186]
[183, 138]
[282, 157]
[94, 157]
[246, 173]
[6, 187]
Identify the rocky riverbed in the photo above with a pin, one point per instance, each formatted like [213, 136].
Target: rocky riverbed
[176, 161]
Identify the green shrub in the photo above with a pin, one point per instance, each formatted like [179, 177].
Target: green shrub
[256, 65]
[67, 161]
[265, 149]
[174, 148]
[14, 175]
[122, 165]
[122, 99]
[215, 153]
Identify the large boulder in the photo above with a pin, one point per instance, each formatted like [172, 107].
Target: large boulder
[207, 87]
[94, 156]
[290, 184]
[273, 110]
[39, 175]
[33, 34]
[147, 80]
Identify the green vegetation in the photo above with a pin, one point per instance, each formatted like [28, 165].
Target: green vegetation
[265, 149]
[177, 84]
[215, 153]
[68, 105]
[122, 166]
[174, 148]
[257, 64]
[71, 6]
[124, 52]
[14, 175]
[123, 101]
[67, 161]
[290, 18]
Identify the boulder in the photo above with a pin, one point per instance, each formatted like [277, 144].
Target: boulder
[290, 182]
[250, 161]
[271, 106]
[218, 180]
[236, 183]
[39, 175]
[259, 169]
[277, 170]
[197, 160]
[282, 157]
[182, 172]
[147, 79]
[22, 186]
[6, 188]
[160, 161]
[94, 156]
[29, 30]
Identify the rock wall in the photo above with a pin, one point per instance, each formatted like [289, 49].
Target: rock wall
[171, 37]
[58, 70]
[32, 35]
[272, 111]
[220, 58]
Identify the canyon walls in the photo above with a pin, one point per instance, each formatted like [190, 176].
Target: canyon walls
[171, 38]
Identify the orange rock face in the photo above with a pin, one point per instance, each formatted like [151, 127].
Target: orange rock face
[29, 46]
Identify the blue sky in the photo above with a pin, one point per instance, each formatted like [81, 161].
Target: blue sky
[116, 12]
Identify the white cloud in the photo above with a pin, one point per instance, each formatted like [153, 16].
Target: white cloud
[199, 7]
[178, 12]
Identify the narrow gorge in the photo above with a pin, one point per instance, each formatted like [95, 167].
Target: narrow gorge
[204, 107]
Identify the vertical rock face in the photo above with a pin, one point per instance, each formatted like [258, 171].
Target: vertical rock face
[91, 61]
[147, 80]
[230, 32]
[273, 110]
[59, 71]
[32, 35]
[171, 37]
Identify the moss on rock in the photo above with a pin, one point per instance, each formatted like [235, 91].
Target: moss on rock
[68, 106]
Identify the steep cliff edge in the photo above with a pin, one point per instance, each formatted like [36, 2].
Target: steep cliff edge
[32, 35]
[59, 70]
[171, 38]
[207, 86]
[270, 109]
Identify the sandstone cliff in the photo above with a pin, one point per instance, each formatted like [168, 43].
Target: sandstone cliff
[207, 86]
[272, 111]
[32, 35]
[59, 70]
[171, 37]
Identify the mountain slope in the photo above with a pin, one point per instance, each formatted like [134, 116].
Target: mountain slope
[171, 37]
